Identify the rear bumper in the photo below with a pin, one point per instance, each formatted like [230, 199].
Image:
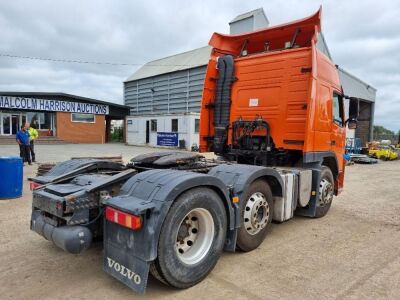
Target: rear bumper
[73, 239]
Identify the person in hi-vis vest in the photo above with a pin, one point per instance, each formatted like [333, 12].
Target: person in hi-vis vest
[33, 135]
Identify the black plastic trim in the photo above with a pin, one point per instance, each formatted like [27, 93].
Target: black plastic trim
[150, 194]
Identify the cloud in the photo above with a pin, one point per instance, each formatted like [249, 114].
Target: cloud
[363, 38]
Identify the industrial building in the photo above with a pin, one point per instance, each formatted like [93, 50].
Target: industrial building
[353, 86]
[58, 116]
[167, 130]
[172, 86]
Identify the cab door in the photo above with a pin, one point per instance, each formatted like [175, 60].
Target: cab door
[338, 133]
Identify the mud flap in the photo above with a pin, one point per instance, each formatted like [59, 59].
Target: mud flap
[127, 268]
[310, 209]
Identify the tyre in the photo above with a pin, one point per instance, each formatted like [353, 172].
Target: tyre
[326, 192]
[256, 211]
[191, 239]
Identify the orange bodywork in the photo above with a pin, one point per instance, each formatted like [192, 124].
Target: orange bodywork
[290, 87]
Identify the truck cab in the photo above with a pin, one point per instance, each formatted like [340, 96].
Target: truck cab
[273, 98]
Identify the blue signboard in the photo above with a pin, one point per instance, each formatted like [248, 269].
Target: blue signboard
[169, 139]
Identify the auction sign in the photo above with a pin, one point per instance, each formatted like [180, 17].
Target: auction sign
[169, 139]
[52, 105]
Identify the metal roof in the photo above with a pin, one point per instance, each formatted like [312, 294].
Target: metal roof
[182, 61]
[355, 87]
[248, 15]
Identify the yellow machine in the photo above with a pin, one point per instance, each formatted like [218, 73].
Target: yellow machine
[385, 152]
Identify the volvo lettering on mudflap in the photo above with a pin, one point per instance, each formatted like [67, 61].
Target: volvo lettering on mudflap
[124, 271]
[126, 275]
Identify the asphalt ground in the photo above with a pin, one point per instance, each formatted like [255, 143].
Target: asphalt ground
[352, 253]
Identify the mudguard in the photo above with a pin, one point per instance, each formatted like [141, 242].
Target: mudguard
[73, 164]
[128, 253]
[311, 208]
[237, 178]
[72, 167]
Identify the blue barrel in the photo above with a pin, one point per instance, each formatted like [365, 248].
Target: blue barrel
[11, 177]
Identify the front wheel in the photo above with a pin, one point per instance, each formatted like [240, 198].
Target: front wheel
[326, 192]
[191, 239]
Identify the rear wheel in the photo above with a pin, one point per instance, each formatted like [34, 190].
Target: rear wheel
[326, 192]
[257, 210]
[191, 239]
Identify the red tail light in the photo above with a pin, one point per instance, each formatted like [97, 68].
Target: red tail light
[34, 185]
[59, 206]
[123, 219]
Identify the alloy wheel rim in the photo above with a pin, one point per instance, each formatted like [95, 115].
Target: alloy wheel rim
[325, 192]
[256, 213]
[195, 236]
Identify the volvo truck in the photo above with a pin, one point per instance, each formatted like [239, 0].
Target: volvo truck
[272, 111]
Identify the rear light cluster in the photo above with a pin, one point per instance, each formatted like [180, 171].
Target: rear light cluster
[123, 219]
[34, 185]
[60, 206]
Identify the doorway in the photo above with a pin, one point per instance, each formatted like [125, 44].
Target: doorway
[147, 131]
[5, 124]
[10, 123]
[15, 124]
[115, 130]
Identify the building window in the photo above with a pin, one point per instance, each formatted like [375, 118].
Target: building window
[153, 125]
[174, 125]
[40, 120]
[45, 121]
[83, 118]
[33, 119]
[337, 109]
[196, 125]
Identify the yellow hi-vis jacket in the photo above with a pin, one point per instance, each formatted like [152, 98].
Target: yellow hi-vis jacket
[33, 133]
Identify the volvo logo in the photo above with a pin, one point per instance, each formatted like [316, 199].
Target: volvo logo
[124, 271]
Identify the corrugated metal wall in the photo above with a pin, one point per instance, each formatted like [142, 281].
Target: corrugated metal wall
[175, 92]
[353, 86]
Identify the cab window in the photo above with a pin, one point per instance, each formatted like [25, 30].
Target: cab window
[337, 109]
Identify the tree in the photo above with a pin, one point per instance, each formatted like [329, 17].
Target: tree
[380, 130]
[398, 137]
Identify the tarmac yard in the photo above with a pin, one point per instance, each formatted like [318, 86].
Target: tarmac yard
[352, 253]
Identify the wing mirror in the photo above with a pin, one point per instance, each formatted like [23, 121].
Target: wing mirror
[352, 123]
[354, 107]
[354, 110]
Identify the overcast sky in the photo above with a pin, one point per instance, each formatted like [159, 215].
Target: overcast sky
[363, 37]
